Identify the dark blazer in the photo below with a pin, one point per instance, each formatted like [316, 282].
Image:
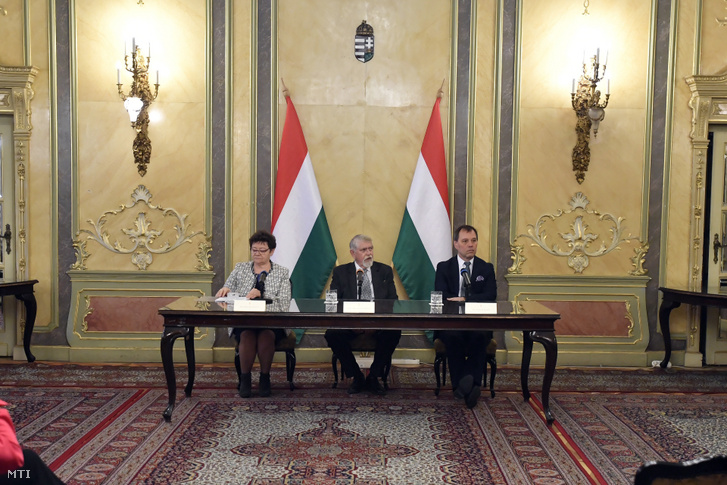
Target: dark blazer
[484, 285]
[344, 281]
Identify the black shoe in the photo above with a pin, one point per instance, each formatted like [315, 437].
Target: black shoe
[472, 397]
[374, 385]
[264, 385]
[245, 385]
[457, 393]
[464, 387]
[358, 385]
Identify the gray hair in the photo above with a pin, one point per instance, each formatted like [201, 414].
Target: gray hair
[357, 239]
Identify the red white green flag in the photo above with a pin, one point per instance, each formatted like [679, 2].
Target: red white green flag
[304, 243]
[425, 234]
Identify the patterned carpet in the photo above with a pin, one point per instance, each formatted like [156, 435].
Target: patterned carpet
[102, 424]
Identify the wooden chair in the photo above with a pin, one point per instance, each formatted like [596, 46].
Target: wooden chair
[286, 345]
[702, 471]
[362, 343]
[440, 365]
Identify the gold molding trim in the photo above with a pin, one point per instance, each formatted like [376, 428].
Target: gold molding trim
[579, 240]
[142, 236]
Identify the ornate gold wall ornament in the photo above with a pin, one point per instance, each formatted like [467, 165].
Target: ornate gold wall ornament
[142, 236]
[579, 240]
[203, 255]
[638, 261]
[86, 313]
[81, 255]
[516, 254]
[137, 102]
[589, 109]
[630, 318]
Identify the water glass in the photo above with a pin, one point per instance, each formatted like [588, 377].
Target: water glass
[436, 298]
[331, 296]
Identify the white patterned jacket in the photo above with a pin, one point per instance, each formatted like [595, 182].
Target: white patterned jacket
[277, 284]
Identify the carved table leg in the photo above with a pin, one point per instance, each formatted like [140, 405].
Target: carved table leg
[666, 307]
[551, 357]
[31, 308]
[167, 344]
[525, 365]
[191, 362]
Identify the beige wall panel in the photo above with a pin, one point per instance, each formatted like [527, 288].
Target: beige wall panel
[483, 193]
[240, 206]
[546, 121]
[679, 159]
[364, 123]
[714, 36]
[106, 172]
[40, 248]
[11, 29]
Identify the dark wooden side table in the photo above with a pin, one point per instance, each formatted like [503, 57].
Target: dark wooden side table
[23, 291]
[673, 298]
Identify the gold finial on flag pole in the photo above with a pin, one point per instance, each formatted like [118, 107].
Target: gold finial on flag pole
[286, 93]
[441, 88]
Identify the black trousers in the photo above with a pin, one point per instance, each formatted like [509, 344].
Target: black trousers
[466, 353]
[340, 343]
[33, 472]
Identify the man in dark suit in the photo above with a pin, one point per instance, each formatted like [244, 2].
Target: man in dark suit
[363, 279]
[465, 277]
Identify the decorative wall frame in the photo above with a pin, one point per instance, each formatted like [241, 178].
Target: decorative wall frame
[143, 239]
[580, 241]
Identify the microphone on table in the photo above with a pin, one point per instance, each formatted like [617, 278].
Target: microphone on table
[359, 281]
[466, 281]
[260, 285]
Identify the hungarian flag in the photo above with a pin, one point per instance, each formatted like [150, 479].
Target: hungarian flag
[425, 234]
[304, 243]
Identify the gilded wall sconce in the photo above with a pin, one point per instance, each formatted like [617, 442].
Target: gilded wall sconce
[590, 110]
[138, 100]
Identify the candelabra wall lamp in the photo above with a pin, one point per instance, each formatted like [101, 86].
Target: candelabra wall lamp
[138, 100]
[590, 110]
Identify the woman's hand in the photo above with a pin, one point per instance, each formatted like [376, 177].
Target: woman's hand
[222, 292]
[254, 293]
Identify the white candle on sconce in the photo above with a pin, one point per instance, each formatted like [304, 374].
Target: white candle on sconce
[157, 76]
[118, 76]
[606, 61]
[148, 55]
[598, 55]
[133, 46]
[608, 86]
[573, 87]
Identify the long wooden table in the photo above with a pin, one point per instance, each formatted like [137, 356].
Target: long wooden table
[23, 291]
[535, 321]
[673, 298]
